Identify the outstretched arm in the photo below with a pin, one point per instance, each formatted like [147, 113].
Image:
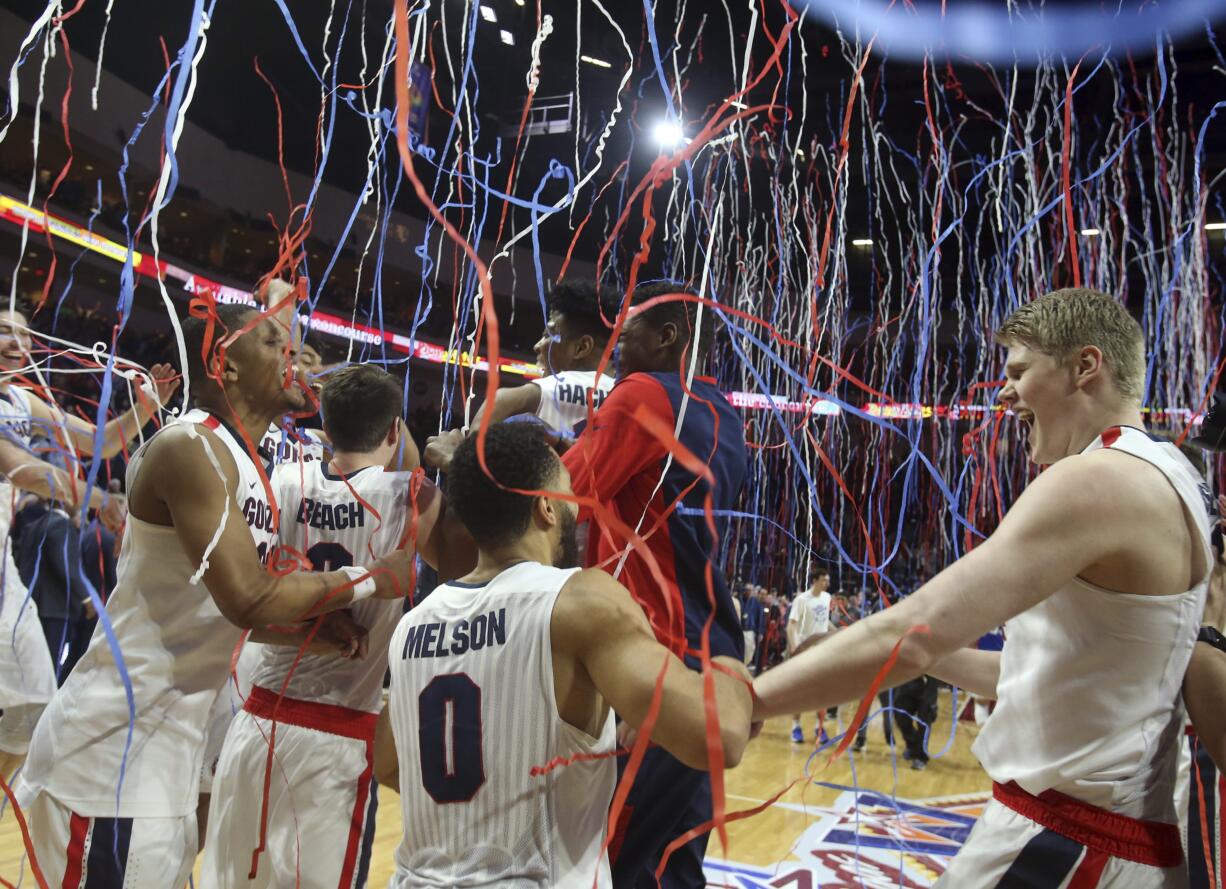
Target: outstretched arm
[508, 402]
[27, 473]
[179, 486]
[1073, 515]
[117, 432]
[597, 622]
[969, 668]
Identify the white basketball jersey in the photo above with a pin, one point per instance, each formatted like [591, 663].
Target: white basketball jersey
[16, 425]
[337, 521]
[564, 397]
[473, 711]
[811, 614]
[176, 649]
[289, 444]
[1088, 696]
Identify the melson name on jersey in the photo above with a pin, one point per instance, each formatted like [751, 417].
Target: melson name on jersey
[432, 640]
[331, 516]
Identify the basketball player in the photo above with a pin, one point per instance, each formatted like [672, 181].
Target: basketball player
[581, 315]
[27, 674]
[112, 779]
[518, 665]
[345, 511]
[1100, 569]
[619, 462]
[809, 618]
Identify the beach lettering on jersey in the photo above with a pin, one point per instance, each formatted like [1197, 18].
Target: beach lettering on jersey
[331, 516]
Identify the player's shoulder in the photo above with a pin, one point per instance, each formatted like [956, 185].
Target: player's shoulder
[1105, 484]
[591, 599]
[184, 450]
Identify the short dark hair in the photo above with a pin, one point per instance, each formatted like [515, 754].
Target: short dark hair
[358, 406]
[817, 574]
[588, 307]
[228, 319]
[520, 459]
[683, 313]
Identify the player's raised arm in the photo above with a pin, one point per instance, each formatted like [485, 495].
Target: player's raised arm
[597, 622]
[28, 473]
[1027, 559]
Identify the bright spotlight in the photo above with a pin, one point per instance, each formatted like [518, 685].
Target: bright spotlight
[507, 37]
[1090, 232]
[1215, 226]
[668, 134]
[862, 242]
[487, 13]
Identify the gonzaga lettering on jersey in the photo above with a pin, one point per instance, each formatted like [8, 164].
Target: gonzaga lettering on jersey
[473, 709]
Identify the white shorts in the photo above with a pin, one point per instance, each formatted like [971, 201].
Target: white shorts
[1008, 850]
[74, 851]
[27, 674]
[318, 801]
[229, 702]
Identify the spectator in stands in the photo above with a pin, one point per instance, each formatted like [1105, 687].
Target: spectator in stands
[49, 561]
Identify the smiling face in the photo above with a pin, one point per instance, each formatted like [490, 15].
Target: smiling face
[14, 341]
[1039, 388]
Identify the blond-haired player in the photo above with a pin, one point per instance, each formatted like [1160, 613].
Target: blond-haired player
[1099, 571]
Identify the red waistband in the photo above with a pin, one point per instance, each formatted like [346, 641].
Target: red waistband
[334, 720]
[1145, 842]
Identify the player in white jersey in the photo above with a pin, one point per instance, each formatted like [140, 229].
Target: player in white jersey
[580, 318]
[347, 511]
[1099, 571]
[27, 675]
[808, 619]
[284, 442]
[499, 733]
[111, 783]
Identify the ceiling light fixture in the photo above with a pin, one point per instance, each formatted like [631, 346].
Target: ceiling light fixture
[1215, 226]
[599, 63]
[668, 134]
[487, 13]
[507, 37]
[1091, 232]
[862, 242]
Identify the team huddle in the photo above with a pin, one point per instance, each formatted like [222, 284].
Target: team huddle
[582, 632]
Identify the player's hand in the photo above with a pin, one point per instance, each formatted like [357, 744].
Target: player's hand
[393, 573]
[626, 735]
[114, 512]
[441, 448]
[339, 633]
[165, 380]
[274, 293]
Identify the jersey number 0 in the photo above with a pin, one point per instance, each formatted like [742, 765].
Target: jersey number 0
[449, 735]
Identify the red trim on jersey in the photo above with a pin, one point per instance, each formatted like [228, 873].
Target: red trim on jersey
[78, 830]
[343, 721]
[1145, 842]
[357, 821]
[1090, 871]
[1111, 436]
[619, 832]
